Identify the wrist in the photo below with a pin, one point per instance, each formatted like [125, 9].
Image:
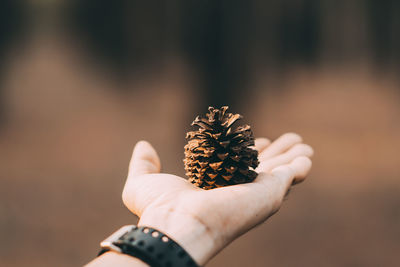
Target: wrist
[191, 234]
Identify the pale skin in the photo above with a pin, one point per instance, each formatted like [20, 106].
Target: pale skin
[203, 222]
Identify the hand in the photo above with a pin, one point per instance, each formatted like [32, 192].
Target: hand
[204, 221]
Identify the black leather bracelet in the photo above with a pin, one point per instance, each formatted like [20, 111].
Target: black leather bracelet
[152, 247]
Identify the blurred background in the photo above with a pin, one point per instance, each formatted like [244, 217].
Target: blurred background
[81, 81]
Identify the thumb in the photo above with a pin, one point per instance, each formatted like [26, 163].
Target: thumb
[144, 160]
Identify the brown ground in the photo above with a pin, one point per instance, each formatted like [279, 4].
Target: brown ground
[65, 148]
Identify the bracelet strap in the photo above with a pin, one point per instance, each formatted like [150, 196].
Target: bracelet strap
[153, 247]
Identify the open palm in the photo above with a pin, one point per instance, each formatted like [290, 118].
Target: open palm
[171, 204]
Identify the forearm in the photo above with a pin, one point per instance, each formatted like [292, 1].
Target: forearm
[116, 259]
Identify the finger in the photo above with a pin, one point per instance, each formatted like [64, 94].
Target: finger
[261, 144]
[260, 199]
[297, 150]
[144, 160]
[279, 146]
[278, 182]
[302, 165]
[294, 172]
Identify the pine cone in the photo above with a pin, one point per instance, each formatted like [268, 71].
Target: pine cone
[218, 155]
